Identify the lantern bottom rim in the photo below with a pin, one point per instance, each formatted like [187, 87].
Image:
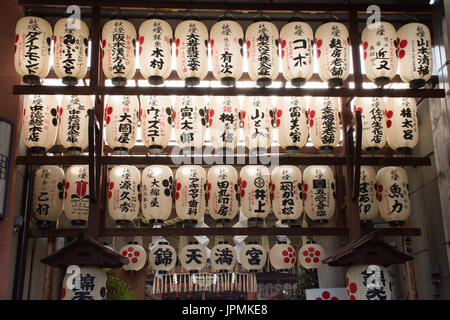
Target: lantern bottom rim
[120, 151]
[31, 80]
[396, 223]
[78, 222]
[292, 149]
[44, 224]
[228, 81]
[258, 150]
[404, 150]
[189, 222]
[289, 222]
[223, 221]
[122, 222]
[320, 221]
[74, 150]
[156, 221]
[155, 148]
[263, 82]
[223, 151]
[365, 223]
[326, 148]
[119, 81]
[255, 221]
[38, 150]
[283, 270]
[335, 82]
[382, 81]
[192, 81]
[372, 149]
[156, 80]
[298, 82]
[131, 271]
[417, 83]
[193, 271]
[70, 81]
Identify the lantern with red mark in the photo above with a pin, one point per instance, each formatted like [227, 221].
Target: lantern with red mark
[368, 204]
[253, 257]
[292, 122]
[368, 282]
[224, 123]
[402, 124]
[282, 256]
[257, 118]
[311, 255]
[324, 123]
[156, 122]
[76, 195]
[92, 285]
[193, 257]
[223, 257]
[162, 257]
[135, 255]
[255, 193]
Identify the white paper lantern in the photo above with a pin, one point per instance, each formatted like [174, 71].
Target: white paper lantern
[227, 52]
[311, 255]
[282, 256]
[255, 192]
[368, 204]
[393, 195]
[324, 123]
[123, 193]
[253, 257]
[162, 257]
[319, 193]
[333, 53]
[368, 282]
[135, 255]
[292, 122]
[224, 123]
[92, 285]
[257, 118]
[156, 122]
[48, 194]
[402, 124]
[415, 57]
[119, 51]
[76, 196]
[373, 121]
[40, 122]
[190, 122]
[157, 190]
[191, 41]
[32, 49]
[297, 56]
[190, 202]
[155, 50]
[70, 55]
[193, 257]
[122, 114]
[223, 193]
[380, 58]
[223, 257]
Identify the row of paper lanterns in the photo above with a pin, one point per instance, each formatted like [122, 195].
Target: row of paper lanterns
[384, 51]
[45, 123]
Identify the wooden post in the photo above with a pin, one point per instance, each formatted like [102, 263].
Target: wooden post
[48, 275]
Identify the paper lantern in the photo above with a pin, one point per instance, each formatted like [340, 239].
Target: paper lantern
[319, 193]
[76, 196]
[190, 181]
[32, 49]
[122, 114]
[368, 205]
[48, 194]
[190, 122]
[223, 257]
[223, 193]
[123, 193]
[157, 190]
[333, 53]
[262, 52]
[156, 122]
[373, 120]
[155, 51]
[253, 257]
[297, 57]
[393, 195]
[119, 51]
[92, 285]
[135, 255]
[224, 123]
[162, 257]
[311, 255]
[227, 52]
[257, 118]
[193, 257]
[380, 58]
[402, 124]
[74, 122]
[40, 122]
[71, 43]
[368, 282]
[415, 57]
[191, 41]
[287, 193]
[292, 122]
[282, 256]
[255, 192]
[324, 124]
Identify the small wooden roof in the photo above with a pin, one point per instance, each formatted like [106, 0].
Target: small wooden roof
[85, 251]
[369, 249]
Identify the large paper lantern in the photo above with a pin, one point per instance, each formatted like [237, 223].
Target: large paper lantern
[123, 193]
[255, 192]
[162, 257]
[297, 56]
[223, 257]
[223, 193]
[92, 285]
[253, 256]
[190, 122]
[324, 124]
[224, 123]
[155, 51]
[292, 122]
[70, 50]
[257, 118]
[393, 195]
[193, 257]
[311, 255]
[48, 194]
[32, 49]
[40, 122]
[191, 41]
[76, 195]
[282, 256]
[368, 282]
[373, 121]
[415, 58]
[319, 193]
[227, 52]
[122, 114]
[74, 122]
[119, 51]
[380, 58]
[135, 255]
[262, 52]
[156, 122]
[368, 205]
[190, 182]
[333, 53]
[287, 193]
[157, 189]
[402, 124]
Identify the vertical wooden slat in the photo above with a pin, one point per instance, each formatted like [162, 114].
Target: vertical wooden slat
[354, 42]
